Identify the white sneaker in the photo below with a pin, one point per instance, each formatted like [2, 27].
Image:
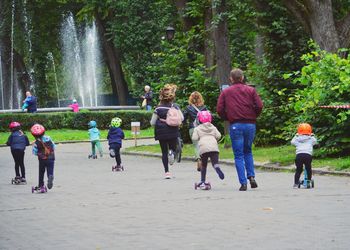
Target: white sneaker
[171, 157]
[167, 175]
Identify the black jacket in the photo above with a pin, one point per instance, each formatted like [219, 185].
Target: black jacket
[18, 140]
[190, 113]
[161, 130]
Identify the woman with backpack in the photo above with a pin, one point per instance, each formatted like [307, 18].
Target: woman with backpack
[166, 119]
[196, 104]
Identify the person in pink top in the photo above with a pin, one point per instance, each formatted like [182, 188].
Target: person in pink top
[74, 106]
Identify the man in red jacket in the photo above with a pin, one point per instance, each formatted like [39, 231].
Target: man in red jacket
[241, 105]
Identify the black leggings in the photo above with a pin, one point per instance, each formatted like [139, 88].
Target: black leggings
[214, 158]
[165, 146]
[18, 156]
[302, 160]
[116, 148]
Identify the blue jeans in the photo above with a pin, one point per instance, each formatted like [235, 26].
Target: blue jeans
[148, 107]
[47, 165]
[242, 137]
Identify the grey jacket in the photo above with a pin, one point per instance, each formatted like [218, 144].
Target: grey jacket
[304, 143]
[207, 136]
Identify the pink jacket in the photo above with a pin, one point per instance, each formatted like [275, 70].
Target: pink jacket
[75, 107]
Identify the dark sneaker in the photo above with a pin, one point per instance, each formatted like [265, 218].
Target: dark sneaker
[50, 182]
[220, 173]
[253, 183]
[23, 180]
[243, 187]
[296, 185]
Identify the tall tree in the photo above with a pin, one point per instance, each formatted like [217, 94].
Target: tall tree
[318, 19]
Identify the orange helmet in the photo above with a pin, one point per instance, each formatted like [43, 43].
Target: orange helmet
[304, 129]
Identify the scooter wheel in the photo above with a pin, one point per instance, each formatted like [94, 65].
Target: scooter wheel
[12, 181]
[32, 189]
[195, 186]
[312, 183]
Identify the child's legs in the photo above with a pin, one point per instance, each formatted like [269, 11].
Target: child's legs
[204, 158]
[214, 158]
[42, 166]
[195, 144]
[16, 159]
[299, 162]
[98, 145]
[116, 149]
[50, 167]
[93, 143]
[21, 163]
[308, 160]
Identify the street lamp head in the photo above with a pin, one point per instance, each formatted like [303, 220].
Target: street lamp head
[170, 33]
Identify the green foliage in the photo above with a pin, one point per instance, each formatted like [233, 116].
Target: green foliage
[325, 80]
[75, 120]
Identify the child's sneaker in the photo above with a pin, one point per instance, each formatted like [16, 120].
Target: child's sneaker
[167, 175]
[171, 157]
[296, 185]
[220, 173]
[23, 180]
[112, 153]
[253, 183]
[50, 182]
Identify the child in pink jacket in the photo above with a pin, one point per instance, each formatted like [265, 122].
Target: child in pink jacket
[74, 106]
[207, 136]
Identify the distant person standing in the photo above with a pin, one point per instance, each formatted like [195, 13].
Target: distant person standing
[240, 104]
[74, 106]
[29, 103]
[147, 98]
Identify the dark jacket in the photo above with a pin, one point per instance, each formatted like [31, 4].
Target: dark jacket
[148, 96]
[239, 103]
[161, 130]
[115, 136]
[17, 140]
[190, 113]
[31, 104]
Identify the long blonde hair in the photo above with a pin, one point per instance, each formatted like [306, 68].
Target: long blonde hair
[196, 99]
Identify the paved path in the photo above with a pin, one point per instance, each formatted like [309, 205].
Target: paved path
[91, 207]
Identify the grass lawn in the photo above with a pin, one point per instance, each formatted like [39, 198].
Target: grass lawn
[76, 135]
[284, 155]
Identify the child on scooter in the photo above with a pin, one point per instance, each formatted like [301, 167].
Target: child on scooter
[304, 141]
[94, 135]
[115, 137]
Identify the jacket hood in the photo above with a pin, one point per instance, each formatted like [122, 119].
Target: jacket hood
[206, 127]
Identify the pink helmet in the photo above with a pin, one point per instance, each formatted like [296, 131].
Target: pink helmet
[204, 116]
[37, 130]
[14, 125]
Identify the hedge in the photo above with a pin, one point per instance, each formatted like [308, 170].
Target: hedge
[75, 120]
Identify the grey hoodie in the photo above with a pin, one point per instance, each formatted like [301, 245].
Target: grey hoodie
[304, 143]
[207, 135]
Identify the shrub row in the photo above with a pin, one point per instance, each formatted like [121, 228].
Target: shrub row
[76, 120]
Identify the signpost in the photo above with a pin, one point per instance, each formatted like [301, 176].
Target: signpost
[135, 130]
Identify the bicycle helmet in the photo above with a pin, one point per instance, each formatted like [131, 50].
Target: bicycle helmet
[92, 124]
[37, 130]
[304, 129]
[14, 125]
[204, 116]
[116, 122]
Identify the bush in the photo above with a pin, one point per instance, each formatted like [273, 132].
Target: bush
[79, 120]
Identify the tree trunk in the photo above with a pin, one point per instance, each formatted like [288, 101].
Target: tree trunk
[222, 50]
[112, 59]
[209, 47]
[317, 18]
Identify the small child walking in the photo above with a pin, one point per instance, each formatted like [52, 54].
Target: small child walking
[304, 141]
[44, 148]
[115, 137]
[207, 136]
[18, 142]
[94, 135]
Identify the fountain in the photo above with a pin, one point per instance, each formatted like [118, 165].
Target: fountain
[12, 68]
[50, 57]
[28, 35]
[1, 82]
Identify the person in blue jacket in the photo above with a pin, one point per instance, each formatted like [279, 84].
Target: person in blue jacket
[94, 135]
[18, 142]
[115, 137]
[29, 103]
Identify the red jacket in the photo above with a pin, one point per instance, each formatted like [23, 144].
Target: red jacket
[239, 103]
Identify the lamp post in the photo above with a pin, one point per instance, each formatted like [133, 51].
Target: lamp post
[170, 33]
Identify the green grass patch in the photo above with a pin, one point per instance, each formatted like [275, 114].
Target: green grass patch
[77, 135]
[283, 155]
